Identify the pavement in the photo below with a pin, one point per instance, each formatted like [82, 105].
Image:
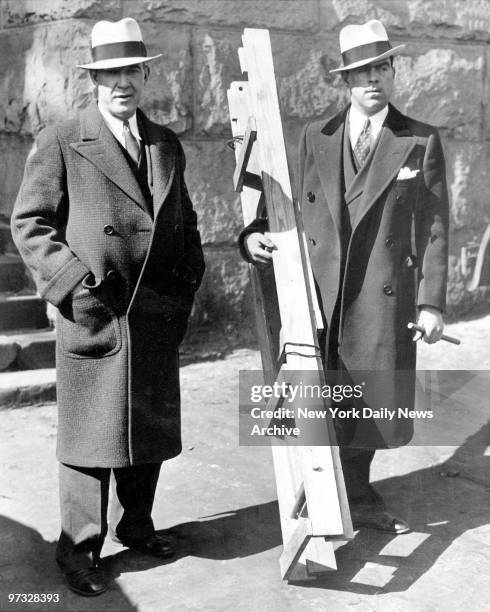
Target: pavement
[217, 501]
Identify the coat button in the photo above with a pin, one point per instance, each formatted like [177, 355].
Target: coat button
[410, 261]
[312, 241]
[388, 289]
[111, 275]
[400, 199]
[177, 227]
[108, 229]
[389, 242]
[310, 196]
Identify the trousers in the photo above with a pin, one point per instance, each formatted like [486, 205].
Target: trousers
[84, 500]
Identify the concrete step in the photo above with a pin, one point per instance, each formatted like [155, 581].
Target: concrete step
[6, 242]
[26, 388]
[27, 349]
[21, 312]
[12, 273]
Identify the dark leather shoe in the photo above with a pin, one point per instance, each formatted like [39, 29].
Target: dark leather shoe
[88, 582]
[378, 518]
[154, 545]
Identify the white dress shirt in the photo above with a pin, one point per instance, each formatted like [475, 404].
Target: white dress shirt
[357, 121]
[116, 126]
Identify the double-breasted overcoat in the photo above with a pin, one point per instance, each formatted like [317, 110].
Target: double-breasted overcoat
[81, 216]
[394, 258]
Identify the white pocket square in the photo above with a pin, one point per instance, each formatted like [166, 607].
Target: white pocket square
[405, 173]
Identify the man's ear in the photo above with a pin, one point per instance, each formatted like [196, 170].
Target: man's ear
[93, 76]
[146, 70]
[345, 77]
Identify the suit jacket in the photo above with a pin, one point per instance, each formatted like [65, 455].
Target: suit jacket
[395, 258]
[80, 216]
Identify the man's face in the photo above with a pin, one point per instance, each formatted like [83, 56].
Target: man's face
[119, 90]
[371, 86]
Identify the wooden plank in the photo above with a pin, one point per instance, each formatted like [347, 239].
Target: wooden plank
[267, 316]
[306, 551]
[294, 547]
[320, 478]
[294, 292]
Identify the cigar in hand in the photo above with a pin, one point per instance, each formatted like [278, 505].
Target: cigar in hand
[419, 328]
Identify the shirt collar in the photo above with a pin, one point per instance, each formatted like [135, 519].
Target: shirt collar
[358, 119]
[116, 125]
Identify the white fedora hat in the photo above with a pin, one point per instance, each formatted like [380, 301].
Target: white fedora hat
[116, 44]
[364, 44]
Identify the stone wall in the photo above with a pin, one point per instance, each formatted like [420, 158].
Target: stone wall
[442, 78]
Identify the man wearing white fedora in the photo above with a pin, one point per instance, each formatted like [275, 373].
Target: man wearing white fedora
[373, 198]
[104, 221]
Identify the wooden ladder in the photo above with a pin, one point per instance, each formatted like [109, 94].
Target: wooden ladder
[310, 487]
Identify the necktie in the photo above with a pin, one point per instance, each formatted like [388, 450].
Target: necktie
[363, 144]
[130, 142]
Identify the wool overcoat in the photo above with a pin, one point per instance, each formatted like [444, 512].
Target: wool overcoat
[81, 216]
[393, 260]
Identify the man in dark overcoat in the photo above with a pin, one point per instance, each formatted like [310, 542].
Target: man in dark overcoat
[104, 222]
[374, 206]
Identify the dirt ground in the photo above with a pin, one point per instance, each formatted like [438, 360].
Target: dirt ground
[217, 501]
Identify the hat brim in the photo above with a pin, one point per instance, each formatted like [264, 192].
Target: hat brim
[118, 62]
[370, 60]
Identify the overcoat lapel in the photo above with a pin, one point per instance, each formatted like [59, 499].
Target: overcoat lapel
[99, 146]
[163, 156]
[327, 152]
[393, 148]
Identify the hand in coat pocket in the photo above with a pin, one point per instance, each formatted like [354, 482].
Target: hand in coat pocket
[88, 327]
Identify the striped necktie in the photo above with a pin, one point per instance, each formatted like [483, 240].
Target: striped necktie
[130, 142]
[363, 144]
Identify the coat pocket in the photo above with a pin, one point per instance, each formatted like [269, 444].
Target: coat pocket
[89, 328]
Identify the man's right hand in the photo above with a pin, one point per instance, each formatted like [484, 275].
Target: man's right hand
[259, 248]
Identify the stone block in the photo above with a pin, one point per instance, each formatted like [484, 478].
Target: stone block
[23, 312]
[443, 86]
[306, 88]
[468, 177]
[338, 13]
[216, 66]
[452, 19]
[12, 274]
[39, 78]
[27, 388]
[285, 14]
[209, 177]
[37, 350]
[13, 153]
[169, 92]
[8, 352]
[28, 12]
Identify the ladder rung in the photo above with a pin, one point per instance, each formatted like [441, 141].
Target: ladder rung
[244, 155]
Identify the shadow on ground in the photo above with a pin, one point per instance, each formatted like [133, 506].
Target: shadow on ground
[240, 533]
[441, 503]
[28, 566]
